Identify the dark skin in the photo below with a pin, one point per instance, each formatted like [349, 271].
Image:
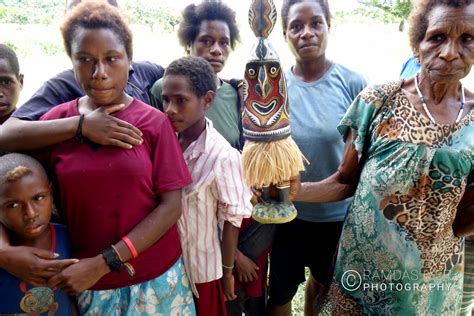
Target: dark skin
[101, 68]
[30, 260]
[99, 126]
[213, 44]
[10, 88]
[31, 197]
[446, 55]
[307, 37]
[25, 208]
[186, 112]
[35, 265]
[447, 45]
[84, 274]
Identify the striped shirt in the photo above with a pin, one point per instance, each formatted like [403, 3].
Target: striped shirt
[218, 193]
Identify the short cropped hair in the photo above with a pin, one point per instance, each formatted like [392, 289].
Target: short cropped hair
[287, 4]
[418, 20]
[96, 14]
[200, 73]
[9, 54]
[15, 166]
[208, 10]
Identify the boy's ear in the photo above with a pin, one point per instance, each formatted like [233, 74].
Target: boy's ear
[20, 80]
[209, 98]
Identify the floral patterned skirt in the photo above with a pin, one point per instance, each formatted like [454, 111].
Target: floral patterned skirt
[169, 294]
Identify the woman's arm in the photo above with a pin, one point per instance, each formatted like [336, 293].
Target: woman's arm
[32, 265]
[230, 236]
[87, 272]
[338, 186]
[464, 222]
[99, 126]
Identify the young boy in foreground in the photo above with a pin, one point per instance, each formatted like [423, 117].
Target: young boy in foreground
[26, 205]
[218, 199]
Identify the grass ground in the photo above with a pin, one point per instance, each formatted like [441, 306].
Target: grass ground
[297, 306]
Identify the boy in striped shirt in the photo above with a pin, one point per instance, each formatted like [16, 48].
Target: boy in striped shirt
[218, 199]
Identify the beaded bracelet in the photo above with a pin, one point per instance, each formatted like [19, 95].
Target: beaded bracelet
[116, 252]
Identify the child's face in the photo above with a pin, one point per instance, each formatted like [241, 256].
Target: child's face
[101, 65]
[25, 206]
[183, 107]
[10, 87]
[212, 43]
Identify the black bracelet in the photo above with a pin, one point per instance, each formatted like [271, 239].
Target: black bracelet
[111, 259]
[79, 135]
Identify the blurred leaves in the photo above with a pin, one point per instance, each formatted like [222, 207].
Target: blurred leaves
[31, 11]
[398, 10]
[151, 13]
[146, 12]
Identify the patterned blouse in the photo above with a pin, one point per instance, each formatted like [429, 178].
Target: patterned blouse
[397, 253]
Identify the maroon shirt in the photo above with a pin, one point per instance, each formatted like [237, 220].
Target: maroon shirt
[105, 191]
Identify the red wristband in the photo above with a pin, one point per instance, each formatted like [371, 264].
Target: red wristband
[130, 246]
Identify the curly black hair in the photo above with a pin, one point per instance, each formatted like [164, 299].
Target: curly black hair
[208, 10]
[418, 20]
[96, 14]
[287, 4]
[200, 73]
[9, 55]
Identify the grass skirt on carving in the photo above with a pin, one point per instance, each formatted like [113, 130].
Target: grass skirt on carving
[268, 163]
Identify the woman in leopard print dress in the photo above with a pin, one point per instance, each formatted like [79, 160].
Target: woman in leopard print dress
[409, 161]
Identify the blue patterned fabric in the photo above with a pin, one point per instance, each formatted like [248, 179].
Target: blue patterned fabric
[17, 297]
[169, 294]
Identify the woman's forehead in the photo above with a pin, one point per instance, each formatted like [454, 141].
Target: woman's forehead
[442, 14]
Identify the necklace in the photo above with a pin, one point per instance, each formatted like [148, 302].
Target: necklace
[423, 103]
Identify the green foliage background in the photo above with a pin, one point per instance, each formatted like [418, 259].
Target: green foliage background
[147, 12]
[31, 11]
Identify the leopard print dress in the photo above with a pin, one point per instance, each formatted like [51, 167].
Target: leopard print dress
[398, 254]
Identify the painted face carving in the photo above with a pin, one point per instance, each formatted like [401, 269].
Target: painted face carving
[265, 114]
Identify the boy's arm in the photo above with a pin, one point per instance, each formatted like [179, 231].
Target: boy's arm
[245, 267]
[32, 265]
[234, 204]
[230, 236]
